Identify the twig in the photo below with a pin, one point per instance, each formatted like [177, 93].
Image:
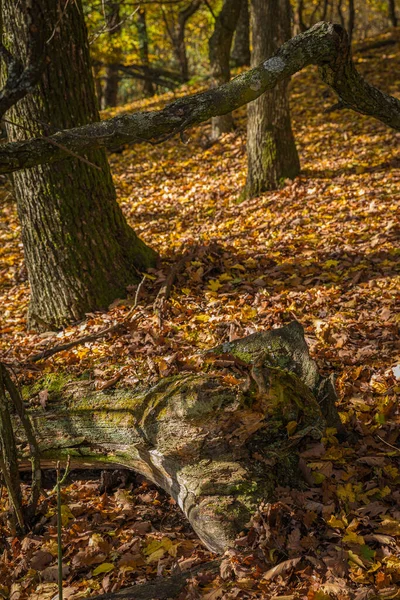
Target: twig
[165, 290]
[32, 441]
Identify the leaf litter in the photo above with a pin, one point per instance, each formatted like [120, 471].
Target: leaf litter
[324, 250]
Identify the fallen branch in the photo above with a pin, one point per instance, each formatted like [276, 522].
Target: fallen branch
[325, 45]
[92, 337]
[218, 444]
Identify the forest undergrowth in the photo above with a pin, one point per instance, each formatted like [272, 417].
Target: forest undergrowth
[323, 250]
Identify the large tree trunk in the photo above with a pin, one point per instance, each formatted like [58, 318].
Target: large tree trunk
[143, 38]
[79, 251]
[241, 46]
[113, 22]
[271, 150]
[220, 52]
[219, 444]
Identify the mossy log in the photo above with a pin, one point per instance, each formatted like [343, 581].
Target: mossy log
[217, 446]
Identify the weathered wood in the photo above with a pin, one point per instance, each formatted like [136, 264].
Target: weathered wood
[325, 45]
[217, 446]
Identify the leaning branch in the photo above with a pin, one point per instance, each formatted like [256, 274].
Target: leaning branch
[325, 45]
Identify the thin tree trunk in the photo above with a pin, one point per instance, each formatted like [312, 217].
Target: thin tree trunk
[351, 22]
[177, 35]
[299, 24]
[217, 448]
[219, 51]
[79, 251]
[113, 22]
[392, 13]
[241, 45]
[271, 150]
[148, 88]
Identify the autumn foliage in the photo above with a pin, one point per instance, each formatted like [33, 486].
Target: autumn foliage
[322, 250]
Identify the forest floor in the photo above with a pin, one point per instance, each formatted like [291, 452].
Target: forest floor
[323, 250]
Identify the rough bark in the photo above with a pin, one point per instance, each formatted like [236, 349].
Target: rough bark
[271, 150]
[216, 447]
[241, 46]
[325, 45]
[219, 47]
[113, 22]
[143, 42]
[79, 251]
[392, 13]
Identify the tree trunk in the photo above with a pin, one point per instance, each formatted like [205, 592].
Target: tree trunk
[177, 35]
[298, 20]
[219, 47]
[217, 447]
[271, 150]
[79, 251]
[392, 13]
[352, 17]
[241, 46]
[113, 22]
[148, 88]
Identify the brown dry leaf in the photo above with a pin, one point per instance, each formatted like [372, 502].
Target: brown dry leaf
[283, 567]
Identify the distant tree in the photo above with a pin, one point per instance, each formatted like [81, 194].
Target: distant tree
[114, 26]
[176, 31]
[79, 251]
[219, 46]
[271, 150]
[241, 46]
[143, 43]
[392, 13]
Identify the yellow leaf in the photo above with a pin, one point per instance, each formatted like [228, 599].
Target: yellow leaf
[352, 537]
[186, 291]
[202, 317]
[336, 523]
[356, 559]
[291, 427]
[214, 285]
[238, 266]
[155, 556]
[66, 514]
[103, 568]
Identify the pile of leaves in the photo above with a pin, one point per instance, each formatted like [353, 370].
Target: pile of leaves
[323, 250]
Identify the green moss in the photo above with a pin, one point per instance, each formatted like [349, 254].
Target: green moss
[54, 383]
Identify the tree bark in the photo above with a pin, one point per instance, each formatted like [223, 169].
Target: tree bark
[113, 22]
[271, 150]
[392, 13]
[325, 45]
[241, 45]
[141, 26]
[217, 447]
[79, 251]
[219, 47]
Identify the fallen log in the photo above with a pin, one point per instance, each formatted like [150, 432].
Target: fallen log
[218, 443]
